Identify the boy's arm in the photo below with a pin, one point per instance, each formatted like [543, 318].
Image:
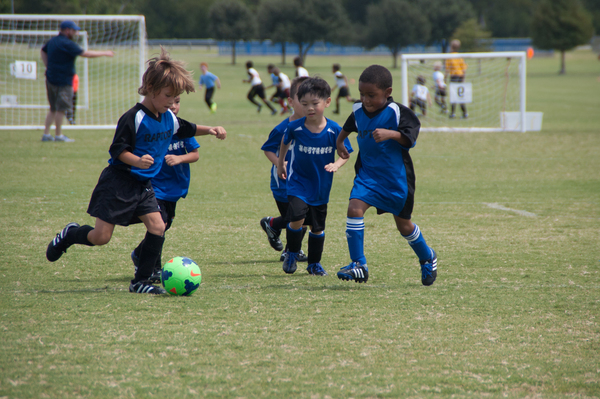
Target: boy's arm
[281, 167]
[333, 167]
[129, 158]
[380, 135]
[271, 156]
[217, 131]
[190, 157]
[96, 54]
[218, 83]
[341, 148]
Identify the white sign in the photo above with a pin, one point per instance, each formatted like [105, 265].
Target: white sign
[461, 93]
[8, 99]
[24, 70]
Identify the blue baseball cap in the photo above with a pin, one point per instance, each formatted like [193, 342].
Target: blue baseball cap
[68, 24]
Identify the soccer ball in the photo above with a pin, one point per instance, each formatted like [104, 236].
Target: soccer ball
[181, 276]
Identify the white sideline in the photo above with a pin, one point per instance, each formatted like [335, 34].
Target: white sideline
[495, 205]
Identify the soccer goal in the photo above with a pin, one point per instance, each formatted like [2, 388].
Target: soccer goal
[107, 86]
[493, 91]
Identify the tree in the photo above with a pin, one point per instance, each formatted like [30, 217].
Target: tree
[472, 37]
[560, 25]
[395, 24]
[231, 20]
[276, 19]
[316, 20]
[445, 17]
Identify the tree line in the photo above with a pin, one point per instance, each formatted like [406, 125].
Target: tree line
[553, 24]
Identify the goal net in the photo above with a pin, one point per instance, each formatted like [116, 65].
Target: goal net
[493, 91]
[107, 85]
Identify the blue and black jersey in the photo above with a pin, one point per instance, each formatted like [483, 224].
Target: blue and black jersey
[141, 132]
[384, 171]
[307, 178]
[173, 182]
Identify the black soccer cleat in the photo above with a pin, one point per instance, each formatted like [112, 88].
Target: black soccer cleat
[145, 287]
[272, 234]
[354, 271]
[58, 246]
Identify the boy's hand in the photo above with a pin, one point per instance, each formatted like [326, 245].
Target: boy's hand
[145, 161]
[332, 167]
[380, 135]
[219, 132]
[342, 152]
[281, 172]
[172, 160]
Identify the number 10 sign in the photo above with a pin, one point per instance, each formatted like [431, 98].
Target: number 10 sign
[461, 93]
[24, 70]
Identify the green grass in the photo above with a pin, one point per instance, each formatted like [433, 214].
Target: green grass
[513, 312]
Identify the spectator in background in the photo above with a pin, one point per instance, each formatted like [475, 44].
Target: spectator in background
[59, 56]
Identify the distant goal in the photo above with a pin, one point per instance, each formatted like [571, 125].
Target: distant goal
[107, 86]
[493, 91]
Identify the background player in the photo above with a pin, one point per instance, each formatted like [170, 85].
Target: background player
[300, 70]
[341, 82]
[419, 96]
[257, 89]
[385, 177]
[439, 86]
[456, 68]
[209, 80]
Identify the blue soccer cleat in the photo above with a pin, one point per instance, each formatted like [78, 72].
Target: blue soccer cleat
[290, 262]
[316, 269]
[429, 269]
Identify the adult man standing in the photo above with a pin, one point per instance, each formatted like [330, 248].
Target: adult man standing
[59, 56]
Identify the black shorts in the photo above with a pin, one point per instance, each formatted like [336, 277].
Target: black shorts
[440, 92]
[258, 90]
[344, 92]
[283, 208]
[120, 198]
[167, 212]
[314, 216]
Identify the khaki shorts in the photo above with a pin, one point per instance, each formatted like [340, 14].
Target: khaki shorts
[59, 97]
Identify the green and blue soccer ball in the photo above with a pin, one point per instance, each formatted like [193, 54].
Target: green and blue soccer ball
[181, 276]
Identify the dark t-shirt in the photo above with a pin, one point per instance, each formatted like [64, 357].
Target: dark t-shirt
[62, 52]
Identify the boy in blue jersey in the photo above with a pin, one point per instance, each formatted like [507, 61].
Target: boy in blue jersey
[273, 225]
[209, 80]
[124, 193]
[171, 184]
[309, 173]
[385, 177]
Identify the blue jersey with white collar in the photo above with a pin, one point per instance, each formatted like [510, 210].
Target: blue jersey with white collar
[307, 178]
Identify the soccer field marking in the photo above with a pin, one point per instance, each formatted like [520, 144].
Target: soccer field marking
[495, 205]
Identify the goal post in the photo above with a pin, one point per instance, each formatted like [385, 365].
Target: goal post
[107, 85]
[493, 91]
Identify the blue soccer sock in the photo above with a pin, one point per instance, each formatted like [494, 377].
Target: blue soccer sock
[355, 235]
[418, 244]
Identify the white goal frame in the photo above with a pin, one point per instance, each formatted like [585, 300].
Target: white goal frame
[521, 56]
[84, 94]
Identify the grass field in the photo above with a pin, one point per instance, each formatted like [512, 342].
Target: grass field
[514, 218]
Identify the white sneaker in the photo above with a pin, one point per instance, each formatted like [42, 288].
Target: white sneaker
[63, 138]
[47, 137]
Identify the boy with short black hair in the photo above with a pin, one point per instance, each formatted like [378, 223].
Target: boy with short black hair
[272, 149]
[385, 177]
[257, 89]
[300, 70]
[124, 193]
[171, 184]
[309, 173]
